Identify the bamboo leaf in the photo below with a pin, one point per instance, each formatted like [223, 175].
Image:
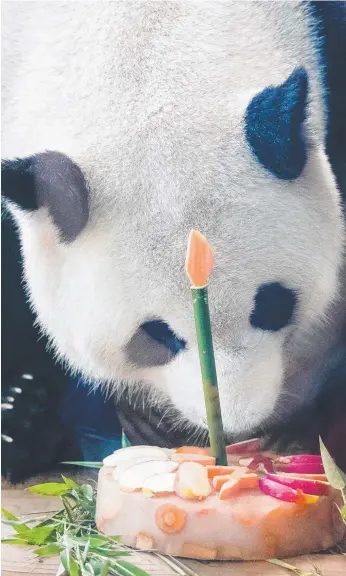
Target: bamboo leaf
[50, 489]
[17, 541]
[9, 516]
[127, 569]
[108, 553]
[71, 484]
[69, 563]
[333, 473]
[39, 534]
[88, 492]
[52, 549]
[105, 568]
[95, 541]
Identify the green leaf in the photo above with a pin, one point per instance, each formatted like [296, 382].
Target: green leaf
[85, 464]
[9, 516]
[127, 569]
[332, 471]
[95, 541]
[105, 568]
[50, 489]
[124, 440]
[14, 541]
[69, 563]
[88, 492]
[39, 534]
[52, 549]
[108, 553]
[15, 522]
[71, 484]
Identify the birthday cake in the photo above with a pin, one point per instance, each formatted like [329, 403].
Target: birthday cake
[179, 502]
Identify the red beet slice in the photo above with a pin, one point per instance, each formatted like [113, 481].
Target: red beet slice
[300, 468]
[315, 487]
[261, 462]
[285, 493]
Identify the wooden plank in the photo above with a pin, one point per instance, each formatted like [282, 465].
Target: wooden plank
[20, 561]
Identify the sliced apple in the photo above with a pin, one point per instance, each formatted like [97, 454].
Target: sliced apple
[123, 466]
[134, 477]
[132, 452]
[159, 484]
[192, 481]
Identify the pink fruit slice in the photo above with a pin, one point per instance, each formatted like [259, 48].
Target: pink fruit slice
[192, 481]
[285, 493]
[315, 487]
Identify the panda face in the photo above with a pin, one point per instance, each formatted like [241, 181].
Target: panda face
[104, 243]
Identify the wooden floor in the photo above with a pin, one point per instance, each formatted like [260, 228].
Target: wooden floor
[20, 561]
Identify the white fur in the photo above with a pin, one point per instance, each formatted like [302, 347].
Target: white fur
[148, 97]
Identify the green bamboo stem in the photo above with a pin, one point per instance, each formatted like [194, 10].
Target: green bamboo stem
[209, 377]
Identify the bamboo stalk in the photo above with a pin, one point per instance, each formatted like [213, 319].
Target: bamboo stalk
[199, 252]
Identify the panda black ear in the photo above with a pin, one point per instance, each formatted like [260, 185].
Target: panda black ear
[52, 180]
[274, 126]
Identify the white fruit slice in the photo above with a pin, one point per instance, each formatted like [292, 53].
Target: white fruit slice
[134, 477]
[159, 484]
[124, 454]
[192, 481]
[123, 466]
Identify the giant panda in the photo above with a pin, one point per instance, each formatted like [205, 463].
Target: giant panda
[126, 124]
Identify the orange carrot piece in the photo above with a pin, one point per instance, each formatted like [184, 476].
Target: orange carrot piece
[198, 458]
[221, 470]
[219, 481]
[193, 450]
[170, 518]
[236, 485]
[199, 259]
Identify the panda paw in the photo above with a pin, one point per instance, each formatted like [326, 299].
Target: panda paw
[34, 439]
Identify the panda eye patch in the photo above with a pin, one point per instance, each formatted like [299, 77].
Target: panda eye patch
[274, 306]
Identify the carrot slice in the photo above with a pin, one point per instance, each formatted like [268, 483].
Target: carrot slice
[222, 470]
[198, 458]
[219, 481]
[170, 518]
[193, 450]
[199, 259]
[236, 485]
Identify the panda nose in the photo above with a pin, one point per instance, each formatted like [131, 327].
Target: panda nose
[154, 344]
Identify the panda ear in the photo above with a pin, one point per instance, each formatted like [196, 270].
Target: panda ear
[274, 126]
[52, 180]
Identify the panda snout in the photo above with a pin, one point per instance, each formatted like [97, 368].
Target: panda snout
[153, 344]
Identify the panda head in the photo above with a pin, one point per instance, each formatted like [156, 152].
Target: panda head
[104, 244]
